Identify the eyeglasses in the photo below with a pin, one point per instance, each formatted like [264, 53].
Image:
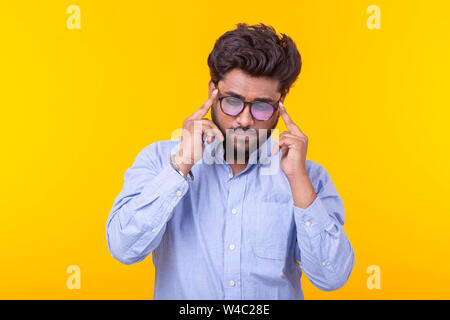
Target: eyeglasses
[259, 110]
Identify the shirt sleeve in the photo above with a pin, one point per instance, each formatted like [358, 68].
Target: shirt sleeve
[138, 218]
[325, 253]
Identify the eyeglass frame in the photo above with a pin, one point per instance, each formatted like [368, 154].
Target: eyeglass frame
[275, 108]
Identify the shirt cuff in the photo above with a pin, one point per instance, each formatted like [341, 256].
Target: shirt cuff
[314, 219]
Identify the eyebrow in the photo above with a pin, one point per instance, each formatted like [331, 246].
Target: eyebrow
[234, 94]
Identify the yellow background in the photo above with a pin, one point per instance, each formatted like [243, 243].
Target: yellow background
[78, 105]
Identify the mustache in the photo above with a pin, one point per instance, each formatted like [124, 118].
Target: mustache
[241, 131]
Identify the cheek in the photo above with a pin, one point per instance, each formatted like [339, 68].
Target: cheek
[275, 122]
[220, 117]
[267, 130]
[217, 119]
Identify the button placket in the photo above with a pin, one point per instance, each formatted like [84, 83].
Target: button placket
[232, 255]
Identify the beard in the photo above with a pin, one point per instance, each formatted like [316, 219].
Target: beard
[239, 144]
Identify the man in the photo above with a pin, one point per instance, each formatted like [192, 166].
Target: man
[227, 211]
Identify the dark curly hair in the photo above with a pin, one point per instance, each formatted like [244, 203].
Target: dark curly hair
[258, 51]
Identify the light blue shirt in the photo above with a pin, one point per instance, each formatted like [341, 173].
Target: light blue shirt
[228, 237]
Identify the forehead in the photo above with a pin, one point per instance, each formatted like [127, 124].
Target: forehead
[248, 86]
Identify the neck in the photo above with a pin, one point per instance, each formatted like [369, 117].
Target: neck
[237, 168]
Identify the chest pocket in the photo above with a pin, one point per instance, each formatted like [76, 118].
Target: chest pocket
[272, 229]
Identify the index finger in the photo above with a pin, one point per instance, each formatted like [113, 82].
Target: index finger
[203, 110]
[290, 125]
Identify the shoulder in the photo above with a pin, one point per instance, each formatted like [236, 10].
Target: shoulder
[314, 168]
[317, 174]
[161, 146]
[325, 189]
[157, 152]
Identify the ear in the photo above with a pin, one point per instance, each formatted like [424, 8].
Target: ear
[211, 87]
[282, 101]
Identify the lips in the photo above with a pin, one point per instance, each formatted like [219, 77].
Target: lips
[239, 134]
[241, 137]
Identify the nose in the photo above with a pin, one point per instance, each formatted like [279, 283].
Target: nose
[245, 118]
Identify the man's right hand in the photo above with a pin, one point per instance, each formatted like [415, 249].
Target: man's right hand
[195, 129]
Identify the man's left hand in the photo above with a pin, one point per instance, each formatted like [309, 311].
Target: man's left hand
[294, 144]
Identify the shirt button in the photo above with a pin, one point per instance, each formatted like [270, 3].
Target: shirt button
[232, 246]
[307, 223]
[324, 263]
[179, 193]
[233, 211]
[154, 230]
[230, 175]
[231, 283]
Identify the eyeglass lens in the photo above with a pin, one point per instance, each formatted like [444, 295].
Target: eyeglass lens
[260, 110]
